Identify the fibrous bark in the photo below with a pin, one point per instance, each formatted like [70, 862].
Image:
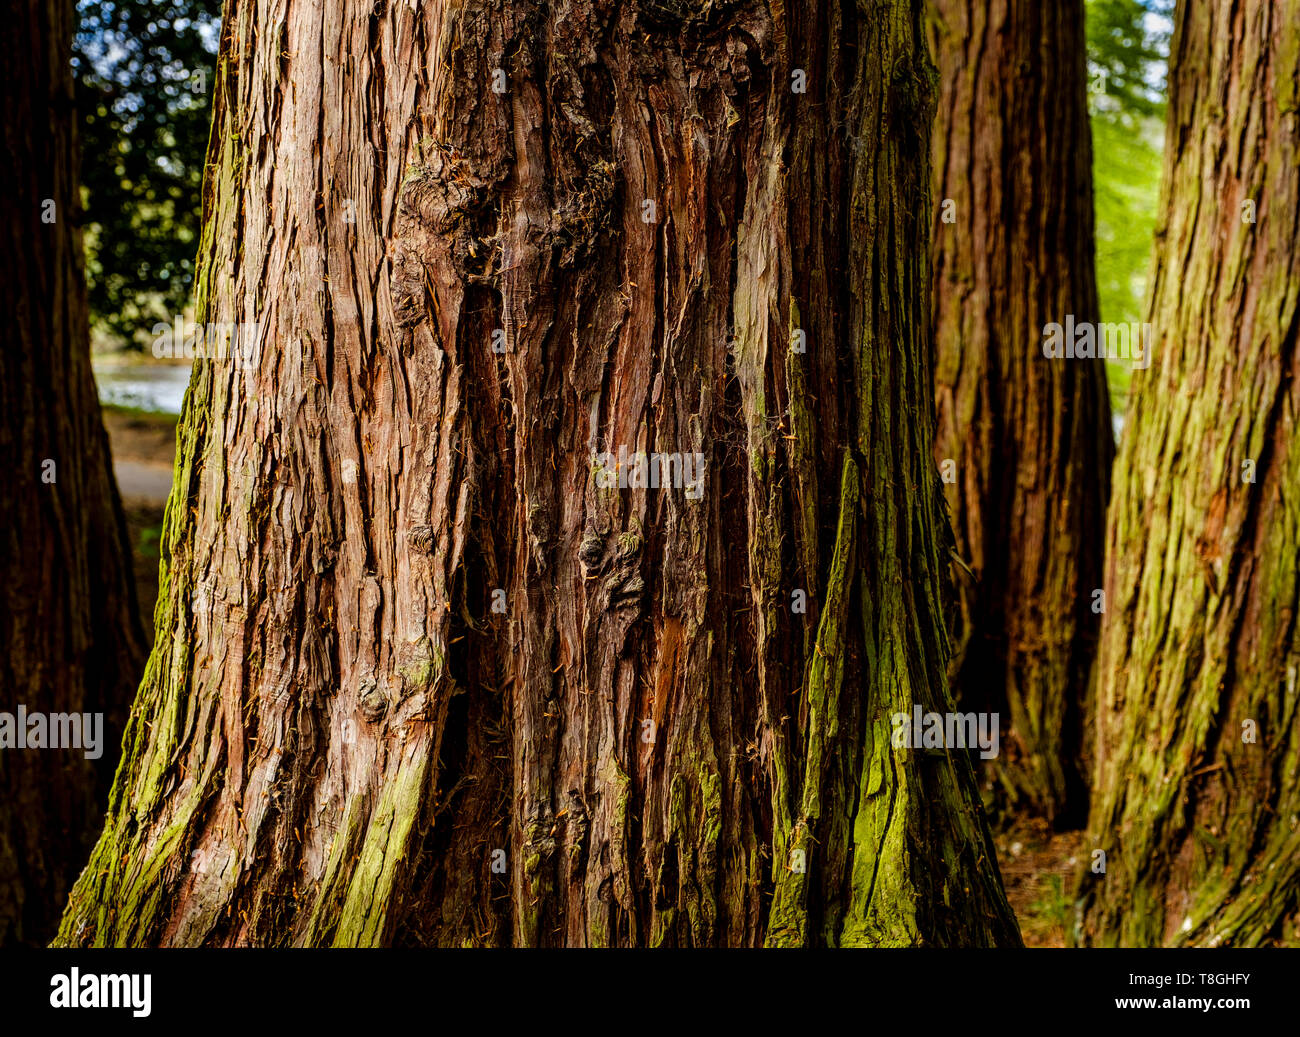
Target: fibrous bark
[1024, 441]
[1197, 803]
[70, 638]
[420, 676]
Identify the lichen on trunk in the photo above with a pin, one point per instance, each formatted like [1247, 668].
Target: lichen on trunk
[1197, 805]
[1024, 441]
[433, 671]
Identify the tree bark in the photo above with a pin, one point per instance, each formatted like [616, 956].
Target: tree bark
[70, 637]
[1025, 441]
[422, 676]
[1195, 812]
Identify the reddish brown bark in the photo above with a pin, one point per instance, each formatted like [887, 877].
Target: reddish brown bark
[339, 738]
[69, 635]
[1025, 441]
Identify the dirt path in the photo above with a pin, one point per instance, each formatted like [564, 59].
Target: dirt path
[144, 446]
[143, 482]
[1038, 871]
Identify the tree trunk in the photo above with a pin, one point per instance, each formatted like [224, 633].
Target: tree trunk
[70, 638]
[1198, 744]
[423, 675]
[1024, 442]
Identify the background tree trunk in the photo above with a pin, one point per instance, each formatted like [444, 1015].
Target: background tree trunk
[70, 639]
[1198, 823]
[1030, 438]
[340, 740]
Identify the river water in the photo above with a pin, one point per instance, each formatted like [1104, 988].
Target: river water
[155, 387]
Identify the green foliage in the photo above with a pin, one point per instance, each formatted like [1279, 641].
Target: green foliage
[140, 415]
[1052, 910]
[149, 541]
[1128, 43]
[144, 74]
[1126, 183]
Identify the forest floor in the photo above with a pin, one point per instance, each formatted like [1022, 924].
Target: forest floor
[1037, 870]
[1037, 864]
[144, 446]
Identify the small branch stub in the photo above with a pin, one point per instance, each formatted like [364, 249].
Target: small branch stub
[421, 539]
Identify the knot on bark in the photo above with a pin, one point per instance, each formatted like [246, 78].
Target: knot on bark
[591, 552]
[584, 212]
[422, 539]
[421, 666]
[539, 840]
[624, 584]
[438, 197]
[444, 230]
[373, 704]
[624, 592]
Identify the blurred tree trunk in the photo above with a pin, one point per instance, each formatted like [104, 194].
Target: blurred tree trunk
[422, 676]
[70, 639]
[1197, 794]
[1024, 442]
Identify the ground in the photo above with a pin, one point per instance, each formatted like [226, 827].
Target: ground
[143, 444]
[1037, 869]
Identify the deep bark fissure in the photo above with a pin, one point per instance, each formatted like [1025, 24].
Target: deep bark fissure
[1028, 437]
[388, 687]
[1195, 808]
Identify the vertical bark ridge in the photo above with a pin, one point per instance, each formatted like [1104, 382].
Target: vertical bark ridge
[1197, 814]
[583, 714]
[1028, 438]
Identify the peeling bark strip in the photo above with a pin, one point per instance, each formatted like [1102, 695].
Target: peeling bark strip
[421, 677]
[1197, 801]
[70, 638]
[1028, 438]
